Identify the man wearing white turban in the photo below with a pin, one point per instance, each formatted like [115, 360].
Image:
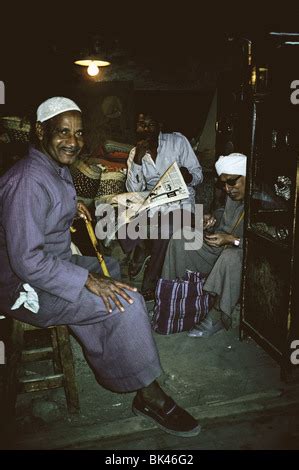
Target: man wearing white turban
[37, 205]
[221, 254]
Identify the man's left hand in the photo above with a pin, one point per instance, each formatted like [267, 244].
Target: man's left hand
[219, 239]
[186, 174]
[83, 211]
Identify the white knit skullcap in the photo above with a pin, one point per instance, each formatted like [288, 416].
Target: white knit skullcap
[54, 106]
[232, 164]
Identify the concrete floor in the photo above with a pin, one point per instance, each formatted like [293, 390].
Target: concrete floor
[232, 387]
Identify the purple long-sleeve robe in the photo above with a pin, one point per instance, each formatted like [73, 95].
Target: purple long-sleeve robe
[37, 205]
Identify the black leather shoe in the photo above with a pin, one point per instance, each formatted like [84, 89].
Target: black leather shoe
[172, 418]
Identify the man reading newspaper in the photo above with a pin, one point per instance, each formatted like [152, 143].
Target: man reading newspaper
[153, 155]
[116, 211]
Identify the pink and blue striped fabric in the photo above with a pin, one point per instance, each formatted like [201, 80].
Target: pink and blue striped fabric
[180, 303]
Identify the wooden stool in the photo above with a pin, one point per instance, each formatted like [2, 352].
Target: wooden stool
[61, 354]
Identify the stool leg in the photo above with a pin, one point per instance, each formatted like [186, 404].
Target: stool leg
[15, 362]
[67, 364]
[56, 356]
[11, 385]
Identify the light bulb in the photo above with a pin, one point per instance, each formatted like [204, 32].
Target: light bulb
[92, 69]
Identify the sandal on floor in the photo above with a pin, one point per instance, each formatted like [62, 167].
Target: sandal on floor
[171, 418]
[205, 329]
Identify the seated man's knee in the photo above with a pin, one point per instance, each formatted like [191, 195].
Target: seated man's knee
[138, 308]
[138, 300]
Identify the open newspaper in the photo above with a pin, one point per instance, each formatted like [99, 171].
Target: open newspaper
[170, 188]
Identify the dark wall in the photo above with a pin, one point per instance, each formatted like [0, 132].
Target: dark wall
[180, 111]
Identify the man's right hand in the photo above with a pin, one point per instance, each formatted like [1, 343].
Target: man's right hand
[208, 221]
[141, 148]
[108, 289]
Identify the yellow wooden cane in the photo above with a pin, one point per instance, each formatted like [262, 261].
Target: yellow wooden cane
[95, 244]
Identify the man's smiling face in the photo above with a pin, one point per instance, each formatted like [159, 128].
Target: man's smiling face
[61, 138]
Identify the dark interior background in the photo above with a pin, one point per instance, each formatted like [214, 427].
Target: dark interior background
[164, 59]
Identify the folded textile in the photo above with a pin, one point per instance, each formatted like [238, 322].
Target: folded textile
[28, 298]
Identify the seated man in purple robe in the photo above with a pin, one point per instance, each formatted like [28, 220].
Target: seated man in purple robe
[37, 205]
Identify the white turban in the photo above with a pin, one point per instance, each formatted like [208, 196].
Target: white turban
[54, 106]
[233, 164]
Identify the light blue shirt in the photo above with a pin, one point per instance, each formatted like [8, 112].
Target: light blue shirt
[171, 148]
